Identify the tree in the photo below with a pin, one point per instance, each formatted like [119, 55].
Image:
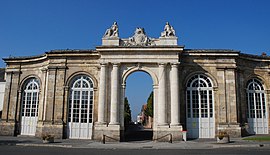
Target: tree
[127, 114]
[149, 108]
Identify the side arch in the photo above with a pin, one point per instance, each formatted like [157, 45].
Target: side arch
[25, 80]
[29, 105]
[255, 76]
[213, 79]
[257, 107]
[80, 107]
[200, 106]
[72, 76]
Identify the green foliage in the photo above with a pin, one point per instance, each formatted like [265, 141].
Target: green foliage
[127, 114]
[149, 109]
[258, 138]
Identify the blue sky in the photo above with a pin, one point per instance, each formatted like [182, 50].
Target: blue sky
[32, 27]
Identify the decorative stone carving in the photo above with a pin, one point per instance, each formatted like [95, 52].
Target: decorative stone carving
[112, 32]
[139, 39]
[168, 31]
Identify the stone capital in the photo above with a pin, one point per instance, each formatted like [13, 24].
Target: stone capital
[155, 86]
[115, 64]
[44, 70]
[175, 64]
[162, 64]
[124, 86]
[103, 64]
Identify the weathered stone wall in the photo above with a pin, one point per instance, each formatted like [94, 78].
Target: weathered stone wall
[248, 68]
[222, 71]
[53, 74]
[228, 70]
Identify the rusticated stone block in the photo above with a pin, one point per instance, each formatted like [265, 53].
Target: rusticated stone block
[7, 128]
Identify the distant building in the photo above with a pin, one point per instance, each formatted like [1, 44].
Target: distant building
[141, 116]
[145, 120]
[2, 89]
[79, 94]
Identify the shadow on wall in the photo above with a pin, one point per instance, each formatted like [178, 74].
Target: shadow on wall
[246, 70]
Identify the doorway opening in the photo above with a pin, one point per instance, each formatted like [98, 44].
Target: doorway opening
[139, 107]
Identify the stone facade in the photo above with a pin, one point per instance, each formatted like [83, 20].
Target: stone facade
[2, 89]
[170, 67]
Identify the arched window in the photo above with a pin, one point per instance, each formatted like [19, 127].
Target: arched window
[29, 113]
[256, 107]
[80, 115]
[200, 108]
[199, 97]
[30, 98]
[256, 99]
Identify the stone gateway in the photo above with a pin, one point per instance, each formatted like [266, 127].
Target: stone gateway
[80, 93]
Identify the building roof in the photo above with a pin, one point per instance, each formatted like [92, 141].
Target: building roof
[2, 75]
[64, 51]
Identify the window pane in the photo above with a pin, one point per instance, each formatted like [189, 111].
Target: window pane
[199, 97]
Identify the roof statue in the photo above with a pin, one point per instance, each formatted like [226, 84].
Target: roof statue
[139, 38]
[168, 31]
[112, 32]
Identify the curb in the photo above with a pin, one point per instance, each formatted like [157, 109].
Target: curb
[215, 146]
[46, 145]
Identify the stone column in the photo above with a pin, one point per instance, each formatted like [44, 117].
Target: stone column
[102, 95]
[175, 106]
[162, 95]
[122, 106]
[114, 96]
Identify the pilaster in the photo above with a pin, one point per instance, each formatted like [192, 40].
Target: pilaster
[228, 105]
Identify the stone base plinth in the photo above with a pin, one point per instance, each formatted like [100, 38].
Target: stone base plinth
[167, 133]
[111, 133]
[168, 41]
[47, 128]
[110, 41]
[233, 130]
[7, 128]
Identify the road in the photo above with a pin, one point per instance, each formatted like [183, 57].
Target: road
[136, 132]
[23, 150]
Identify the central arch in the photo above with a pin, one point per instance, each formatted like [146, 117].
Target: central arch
[143, 69]
[137, 131]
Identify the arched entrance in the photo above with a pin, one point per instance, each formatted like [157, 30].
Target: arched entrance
[29, 110]
[257, 110]
[200, 107]
[139, 97]
[80, 109]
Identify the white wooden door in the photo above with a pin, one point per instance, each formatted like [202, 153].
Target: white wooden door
[257, 116]
[200, 122]
[28, 126]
